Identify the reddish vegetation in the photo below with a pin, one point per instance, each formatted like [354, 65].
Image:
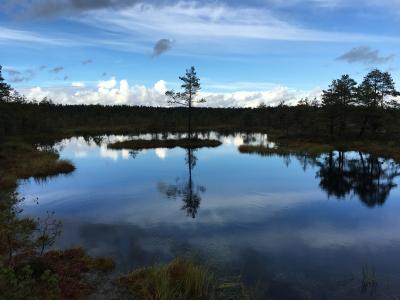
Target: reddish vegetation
[70, 266]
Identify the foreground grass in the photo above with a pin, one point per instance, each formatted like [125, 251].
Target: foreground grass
[55, 275]
[20, 160]
[181, 279]
[72, 274]
[28, 271]
[171, 143]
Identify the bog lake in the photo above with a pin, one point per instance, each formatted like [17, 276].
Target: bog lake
[321, 227]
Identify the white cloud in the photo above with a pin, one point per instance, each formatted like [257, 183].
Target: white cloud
[36, 93]
[107, 153]
[125, 154]
[27, 37]
[78, 84]
[214, 23]
[271, 97]
[337, 4]
[107, 84]
[238, 86]
[161, 86]
[112, 92]
[161, 153]
[81, 154]
[235, 140]
[108, 92]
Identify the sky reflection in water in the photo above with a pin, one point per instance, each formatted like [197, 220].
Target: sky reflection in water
[305, 226]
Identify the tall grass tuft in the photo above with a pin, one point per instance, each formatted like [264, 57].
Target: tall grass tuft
[369, 280]
[181, 279]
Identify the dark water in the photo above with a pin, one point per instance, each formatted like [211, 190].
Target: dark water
[300, 227]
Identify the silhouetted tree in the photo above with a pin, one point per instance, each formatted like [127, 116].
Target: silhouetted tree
[187, 98]
[46, 101]
[337, 99]
[305, 116]
[282, 109]
[5, 89]
[262, 105]
[329, 104]
[15, 233]
[378, 85]
[374, 95]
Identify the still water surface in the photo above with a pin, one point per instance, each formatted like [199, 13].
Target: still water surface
[300, 227]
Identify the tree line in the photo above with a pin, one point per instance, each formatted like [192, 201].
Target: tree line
[346, 110]
[374, 96]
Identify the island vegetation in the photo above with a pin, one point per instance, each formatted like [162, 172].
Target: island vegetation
[169, 143]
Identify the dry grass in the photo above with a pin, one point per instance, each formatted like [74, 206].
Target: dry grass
[181, 279]
[101, 264]
[22, 161]
[385, 150]
[312, 149]
[295, 147]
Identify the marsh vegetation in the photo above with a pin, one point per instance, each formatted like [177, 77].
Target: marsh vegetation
[22, 160]
[168, 143]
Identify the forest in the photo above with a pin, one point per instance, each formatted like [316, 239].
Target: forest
[346, 111]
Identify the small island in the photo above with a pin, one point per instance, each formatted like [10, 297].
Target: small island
[169, 143]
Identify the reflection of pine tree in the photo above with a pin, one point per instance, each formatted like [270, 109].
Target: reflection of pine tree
[334, 177]
[187, 191]
[373, 179]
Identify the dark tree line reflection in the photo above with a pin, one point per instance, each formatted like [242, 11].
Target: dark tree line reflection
[343, 174]
[187, 191]
[368, 177]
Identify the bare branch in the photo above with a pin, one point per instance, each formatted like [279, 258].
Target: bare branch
[176, 102]
[177, 98]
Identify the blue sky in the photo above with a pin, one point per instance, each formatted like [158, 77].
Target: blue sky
[130, 51]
